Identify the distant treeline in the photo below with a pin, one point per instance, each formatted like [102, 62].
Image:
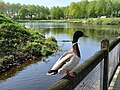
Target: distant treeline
[82, 9]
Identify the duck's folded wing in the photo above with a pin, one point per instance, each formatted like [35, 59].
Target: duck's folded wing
[66, 53]
[61, 61]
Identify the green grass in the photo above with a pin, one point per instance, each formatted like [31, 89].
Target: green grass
[104, 21]
[99, 21]
[18, 42]
[64, 20]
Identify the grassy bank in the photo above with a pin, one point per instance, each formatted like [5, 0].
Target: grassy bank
[98, 21]
[18, 44]
[103, 21]
[64, 20]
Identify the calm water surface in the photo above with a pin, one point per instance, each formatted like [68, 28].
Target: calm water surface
[32, 74]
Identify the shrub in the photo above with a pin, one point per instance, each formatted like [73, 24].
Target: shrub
[16, 39]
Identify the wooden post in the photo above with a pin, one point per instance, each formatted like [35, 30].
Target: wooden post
[105, 45]
[119, 46]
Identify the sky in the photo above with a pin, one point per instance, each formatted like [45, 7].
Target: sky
[48, 3]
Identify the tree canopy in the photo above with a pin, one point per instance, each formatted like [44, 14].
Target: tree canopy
[82, 9]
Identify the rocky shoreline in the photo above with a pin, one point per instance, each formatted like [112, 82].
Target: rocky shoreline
[15, 60]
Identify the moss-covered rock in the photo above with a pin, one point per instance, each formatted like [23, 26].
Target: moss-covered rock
[18, 43]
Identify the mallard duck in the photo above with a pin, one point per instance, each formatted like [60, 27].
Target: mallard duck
[69, 60]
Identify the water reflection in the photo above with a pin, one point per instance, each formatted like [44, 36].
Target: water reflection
[96, 34]
[32, 74]
[12, 72]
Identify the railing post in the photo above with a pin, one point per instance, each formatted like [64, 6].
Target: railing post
[105, 45]
[119, 46]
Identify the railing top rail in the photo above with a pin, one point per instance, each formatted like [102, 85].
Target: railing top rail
[114, 43]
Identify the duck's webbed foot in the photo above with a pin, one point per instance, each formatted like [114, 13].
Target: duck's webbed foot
[70, 73]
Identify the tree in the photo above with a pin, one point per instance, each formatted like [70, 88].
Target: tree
[109, 7]
[2, 8]
[42, 12]
[38, 11]
[101, 7]
[74, 10]
[116, 7]
[56, 13]
[82, 9]
[31, 11]
[91, 9]
[23, 12]
[65, 11]
[83, 6]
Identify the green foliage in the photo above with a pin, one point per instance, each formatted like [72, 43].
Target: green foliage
[23, 12]
[15, 39]
[4, 19]
[57, 13]
[81, 9]
[2, 7]
[91, 9]
[74, 10]
[49, 46]
[103, 21]
[42, 12]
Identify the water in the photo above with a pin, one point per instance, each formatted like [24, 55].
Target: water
[32, 74]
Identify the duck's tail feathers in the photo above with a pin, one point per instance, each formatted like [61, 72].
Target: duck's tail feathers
[52, 72]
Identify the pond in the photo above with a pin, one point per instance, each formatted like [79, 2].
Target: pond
[32, 74]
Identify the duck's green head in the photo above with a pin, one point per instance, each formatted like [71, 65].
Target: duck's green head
[77, 35]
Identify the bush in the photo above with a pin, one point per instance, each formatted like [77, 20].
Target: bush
[15, 39]
[50, 46]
